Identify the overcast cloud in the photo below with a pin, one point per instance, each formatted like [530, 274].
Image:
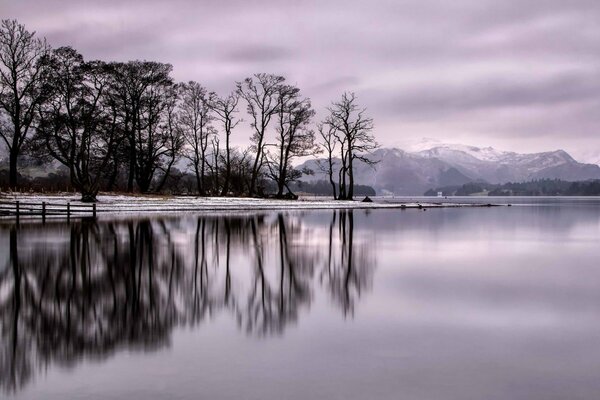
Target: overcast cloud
[517, 75]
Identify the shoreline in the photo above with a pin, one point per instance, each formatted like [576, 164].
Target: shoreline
[120, 204]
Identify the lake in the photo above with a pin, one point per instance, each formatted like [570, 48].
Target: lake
[454, 303]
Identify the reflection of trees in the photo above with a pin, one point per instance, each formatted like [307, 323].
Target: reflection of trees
[87, 289]
[349, 265]
[274, 303]
[103, 289]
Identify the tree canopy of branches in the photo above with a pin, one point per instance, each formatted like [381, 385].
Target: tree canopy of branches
[196, 119]
[22, 87]
[78, 127]
[224, 110]
[142, 89]
[294, 137]
[261, 95]
[352, 129]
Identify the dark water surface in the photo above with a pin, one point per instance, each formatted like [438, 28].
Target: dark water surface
[469, 303]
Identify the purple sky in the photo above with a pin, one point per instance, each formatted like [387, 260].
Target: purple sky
[517, 75]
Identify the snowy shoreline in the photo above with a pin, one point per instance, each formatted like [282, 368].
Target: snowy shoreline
[110, 204]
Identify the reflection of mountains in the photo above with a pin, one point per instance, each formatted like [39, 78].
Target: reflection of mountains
[87, 289]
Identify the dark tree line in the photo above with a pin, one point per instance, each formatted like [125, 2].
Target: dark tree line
[129, 126]
[536, 187]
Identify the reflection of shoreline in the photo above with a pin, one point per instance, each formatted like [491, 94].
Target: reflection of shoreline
[90, 288]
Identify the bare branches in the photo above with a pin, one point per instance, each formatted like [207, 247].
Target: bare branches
[294, 137]
[196, 119]
[261, 95]
[77, 127]
[348, 124]
[225, 110]
[22, 87]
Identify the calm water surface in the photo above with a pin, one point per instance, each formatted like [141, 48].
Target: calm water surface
[469, 303]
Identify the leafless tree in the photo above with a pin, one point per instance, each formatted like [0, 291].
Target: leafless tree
[77, 127]
[355, 129]
[22, 88]
[196, 120]
[173, 133]
[260, 93]
[152, 140]
[140, 90]
[294, 137]
[225, 110]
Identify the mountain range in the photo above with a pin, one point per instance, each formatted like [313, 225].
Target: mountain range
[404, 172]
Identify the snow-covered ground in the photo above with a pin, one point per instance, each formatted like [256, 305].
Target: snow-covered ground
[111, 204]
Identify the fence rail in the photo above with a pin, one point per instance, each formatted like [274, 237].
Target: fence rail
[19, 209]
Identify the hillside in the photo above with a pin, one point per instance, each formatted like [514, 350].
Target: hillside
[402, 172]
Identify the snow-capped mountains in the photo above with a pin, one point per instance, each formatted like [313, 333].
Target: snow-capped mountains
[413, 172]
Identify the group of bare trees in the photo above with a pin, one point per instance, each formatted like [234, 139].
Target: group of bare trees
[129, 126]
[346, 138]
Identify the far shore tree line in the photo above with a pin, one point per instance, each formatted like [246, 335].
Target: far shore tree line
[126, 126]
[536, 187]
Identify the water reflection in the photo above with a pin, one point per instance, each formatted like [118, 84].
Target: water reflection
[88, 289]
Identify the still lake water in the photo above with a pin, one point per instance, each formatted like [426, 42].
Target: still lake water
[466, 303]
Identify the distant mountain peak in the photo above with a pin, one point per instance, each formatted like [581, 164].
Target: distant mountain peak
[431, 163]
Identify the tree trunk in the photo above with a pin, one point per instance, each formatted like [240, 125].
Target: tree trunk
[202, 174]
[255, 168]
[112, 177]
[280, 184]
[350, 178]
[132, 162]
[331, 180]
[88, 195]
[342, 183]
[166, 175]
[199, 187]
[225, 189]
[13, 174]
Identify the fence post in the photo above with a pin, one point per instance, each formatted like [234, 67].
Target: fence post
[18, 210]
[94, 209]
[43, 211]
[68, 210]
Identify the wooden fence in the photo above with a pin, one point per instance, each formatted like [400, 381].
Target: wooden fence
[19, 209]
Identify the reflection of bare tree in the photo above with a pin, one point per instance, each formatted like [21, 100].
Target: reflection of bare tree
[274, 303]
[86, 289]
[349, 266]
[15, 366]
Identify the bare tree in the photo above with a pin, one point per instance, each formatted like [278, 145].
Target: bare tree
[152, 140]
[77, 128]
[22, 88]
[224, 110]
[173, 134]
[139, 88]
[196, 121]
[260, 92]
[294, 136]
[355, 130]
